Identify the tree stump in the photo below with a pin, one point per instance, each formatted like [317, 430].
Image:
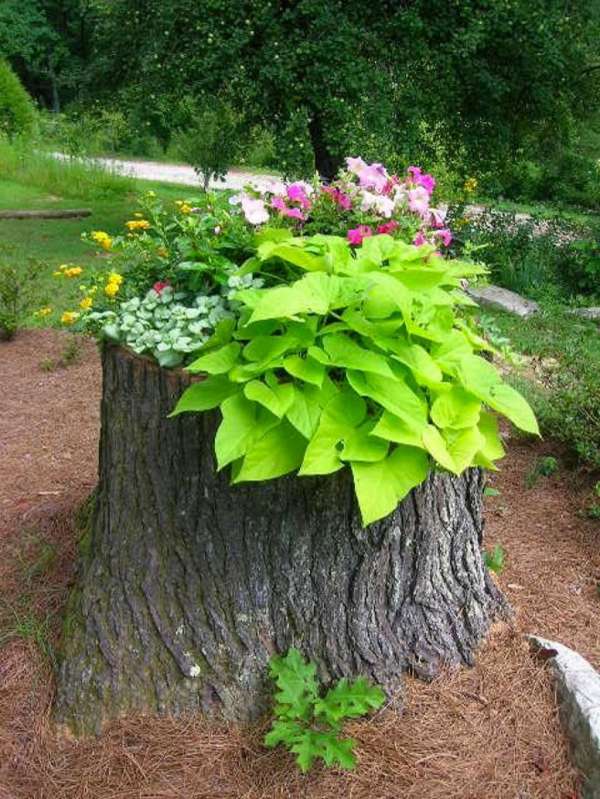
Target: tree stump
[188, 585]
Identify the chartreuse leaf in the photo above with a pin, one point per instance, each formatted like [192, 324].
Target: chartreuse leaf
[393, 428]
[277, 399]
[393, 395]
[359, 445]
[279, 451]
[205, 395]
[456, 408]
[218, 361]
[492, 448]
[437, 447]
[480, 378]
[382, 485]
[243, 423]
[463, 446]
[308, 725]
[307, 369]
[292, 253]
[344, 351]
[338, 421]
[418, 360]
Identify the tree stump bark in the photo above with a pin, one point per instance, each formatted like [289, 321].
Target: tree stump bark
[188, 585]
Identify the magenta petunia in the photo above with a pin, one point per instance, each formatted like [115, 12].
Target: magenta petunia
[387, 227]
[445, 236]
[296, 192]
[356, 235]
[419, 239]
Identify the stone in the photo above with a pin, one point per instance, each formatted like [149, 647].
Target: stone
[497, 297]
[592, 313]
[578, 690]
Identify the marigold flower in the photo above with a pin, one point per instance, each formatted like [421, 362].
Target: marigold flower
[86, 303]
[111, 289]
[69, 317]
[101, 238]
[45, 311]
[73, 271]
[137, 224]
[115, 277]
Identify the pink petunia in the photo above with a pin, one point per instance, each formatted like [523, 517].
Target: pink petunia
[418, 200]
[387, 227]
[356, 235]
[338, 197]
[438, 216]
[296, 192]
[419, 239]
[373, 176]
[254, 210]
[445, 236]
[417, 177]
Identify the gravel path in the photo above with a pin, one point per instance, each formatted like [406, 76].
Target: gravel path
[179, 173]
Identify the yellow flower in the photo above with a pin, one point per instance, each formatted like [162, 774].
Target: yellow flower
[69, 317]
[185, 208]
[111, 289]
[139, 215]
[137, 224]
[150, 194]
[163, 252]
[73, 271]
[86, 303]
[45, 311]
[102, 238]
[115, 277]
[470, 185]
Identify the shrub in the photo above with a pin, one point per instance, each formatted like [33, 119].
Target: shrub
[562, 381]
[17, 114]
[209, 142]
[17, 290]
[535, 257]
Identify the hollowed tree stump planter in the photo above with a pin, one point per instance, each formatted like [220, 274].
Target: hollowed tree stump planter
[189, 585]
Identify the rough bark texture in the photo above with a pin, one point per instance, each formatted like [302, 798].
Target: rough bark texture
[188, 585]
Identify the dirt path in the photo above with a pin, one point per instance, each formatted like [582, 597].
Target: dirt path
[490, 732]
[180, 173]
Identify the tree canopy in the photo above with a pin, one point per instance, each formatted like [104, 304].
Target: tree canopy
[383, 78]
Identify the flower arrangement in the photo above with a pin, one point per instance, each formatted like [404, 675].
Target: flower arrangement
[327, 321]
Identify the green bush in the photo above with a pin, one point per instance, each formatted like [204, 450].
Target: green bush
[17, 113]
[17, 290]
[562, 382]
[535, 257]
[209, 142]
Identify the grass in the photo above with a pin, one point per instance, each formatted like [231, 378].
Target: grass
[50, 243]
[560, 375]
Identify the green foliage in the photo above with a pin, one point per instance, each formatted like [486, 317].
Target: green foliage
[496, 559]
[17, 114]
[209, 141]
[309, 724]
[17, 288]
[362, 361]
[489, 491]
[543, 467]
[532, 256]
[560, 377]
[24, 164]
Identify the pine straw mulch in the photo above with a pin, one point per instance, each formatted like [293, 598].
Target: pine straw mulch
[490, 732]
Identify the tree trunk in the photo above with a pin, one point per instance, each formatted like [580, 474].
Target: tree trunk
[326, 164]
[189, 585]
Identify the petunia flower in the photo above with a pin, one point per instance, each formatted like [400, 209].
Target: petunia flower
[378, 202]
[298, 192]
[445, 236]
[254, 210]
[356, 235]
[417, 177]
[418, 200]
[387, 227]
[419, 239]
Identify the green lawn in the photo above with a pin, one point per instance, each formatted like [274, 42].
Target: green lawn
[58, 241]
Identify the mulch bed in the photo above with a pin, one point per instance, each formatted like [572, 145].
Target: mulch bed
[490, 732]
